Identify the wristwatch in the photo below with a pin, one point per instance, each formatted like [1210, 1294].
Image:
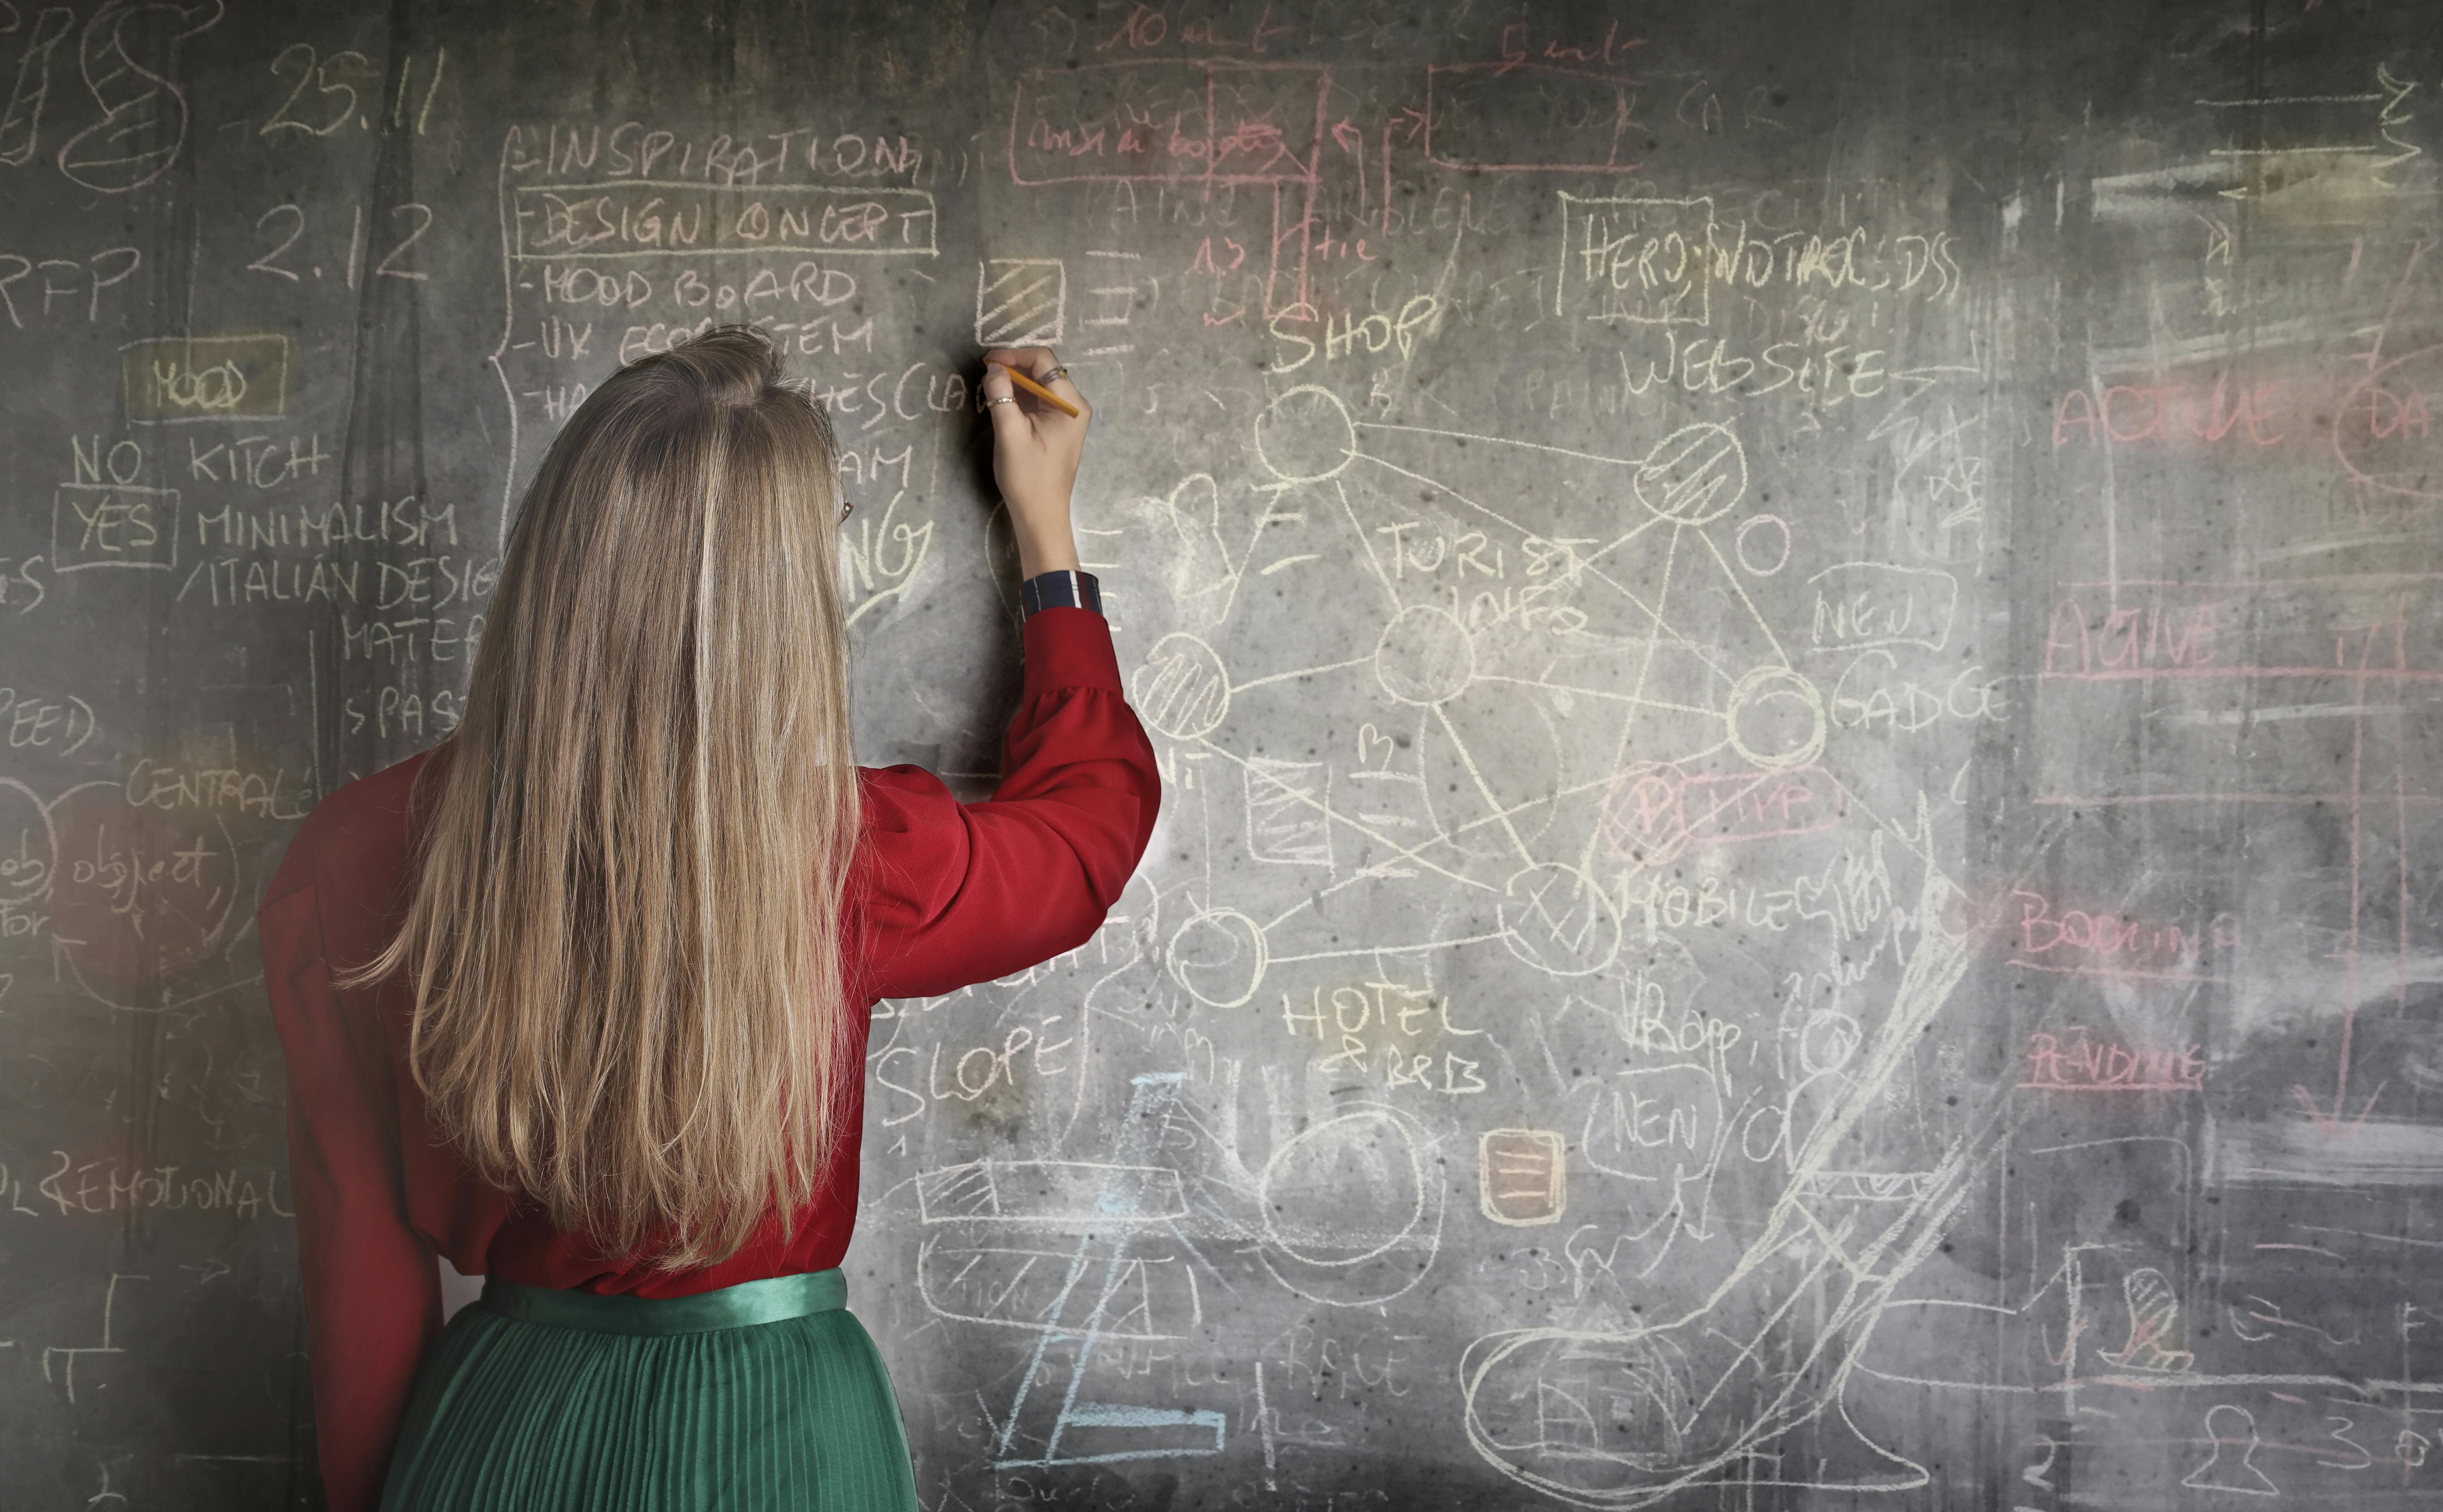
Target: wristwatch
[1063, 588]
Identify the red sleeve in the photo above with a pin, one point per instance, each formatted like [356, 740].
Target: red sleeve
[372, 1290]
[957, 894]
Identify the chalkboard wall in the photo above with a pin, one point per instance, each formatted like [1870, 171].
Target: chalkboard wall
[1796, 650]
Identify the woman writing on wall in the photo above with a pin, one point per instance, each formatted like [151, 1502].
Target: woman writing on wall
[578, 999]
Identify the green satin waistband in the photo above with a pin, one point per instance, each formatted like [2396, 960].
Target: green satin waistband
[773, 1299]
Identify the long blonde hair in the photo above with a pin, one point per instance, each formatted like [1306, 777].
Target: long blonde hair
[624, 942]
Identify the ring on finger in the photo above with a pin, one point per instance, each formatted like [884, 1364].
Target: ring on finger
[1006, 398]
[1055, 375]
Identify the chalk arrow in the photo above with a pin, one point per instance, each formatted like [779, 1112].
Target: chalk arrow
[2339, 1123]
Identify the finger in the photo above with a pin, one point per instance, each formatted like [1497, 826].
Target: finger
[1059, 379]
[1002, 403]
[1000, 361]
[1042, 363]
[1040, 401]
[1032, 361]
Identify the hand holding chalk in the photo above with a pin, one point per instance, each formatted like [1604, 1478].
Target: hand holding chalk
[1038, 439]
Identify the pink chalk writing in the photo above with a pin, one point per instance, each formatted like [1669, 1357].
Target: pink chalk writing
[2080, 643]
[2087, 1062]
[1169, 121]
[2109, 942]
[1658, 810]
[2165, 639]
[2235, 415]
[2172, 414]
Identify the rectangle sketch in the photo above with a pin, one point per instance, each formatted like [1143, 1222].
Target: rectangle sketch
[1170, 122]
[1286, 822]
[1006, 1282]
[1115, 304]
[644, 218]
[114, 525]
[1634, 259]
[1528, 118]
[1863, 604]
[240, 377]
[1021, 302]
[1521, 1176]
[1049, 1193]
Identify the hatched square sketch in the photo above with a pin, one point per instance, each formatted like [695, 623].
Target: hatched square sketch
[1021, 302]
[1286, 820]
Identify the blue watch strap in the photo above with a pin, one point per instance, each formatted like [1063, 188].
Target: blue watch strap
[1063, 588]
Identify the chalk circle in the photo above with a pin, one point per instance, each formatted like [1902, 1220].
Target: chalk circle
[1643, 819]
[1775, 719]
[2377, 409]
[1182, 688]
[29, 846]
[1305, 436]
[1220, 957]
[1643, 1376]
[1828, 1041]
[1780, 531]
[1696, 474]
[1348, 1190]
[1424, 656]
[1556, 919]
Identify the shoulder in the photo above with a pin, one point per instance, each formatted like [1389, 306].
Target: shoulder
[361, 833]
[914, 843]
[906, 810]
[896, 799]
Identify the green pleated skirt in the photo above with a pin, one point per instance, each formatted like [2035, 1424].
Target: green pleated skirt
[764, 1396]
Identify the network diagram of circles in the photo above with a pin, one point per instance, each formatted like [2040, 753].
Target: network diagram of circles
[1517, 693]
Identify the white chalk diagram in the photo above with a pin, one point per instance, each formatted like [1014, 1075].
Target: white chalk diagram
[1697, 695]
[1082, 1258]
[1512, 783]
[1747, 700]
[1696, 684]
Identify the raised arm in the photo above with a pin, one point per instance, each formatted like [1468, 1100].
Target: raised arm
[954, 893]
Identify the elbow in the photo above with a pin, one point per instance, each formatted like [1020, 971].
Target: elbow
[1110, 880]
[1104, 882]
[1148, 775]
[1065, 931]
[1105, 871]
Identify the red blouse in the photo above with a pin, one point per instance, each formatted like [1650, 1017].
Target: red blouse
[942, 895]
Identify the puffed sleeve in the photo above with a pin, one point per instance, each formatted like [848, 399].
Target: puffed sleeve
[954, 893]
[372, 1291]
